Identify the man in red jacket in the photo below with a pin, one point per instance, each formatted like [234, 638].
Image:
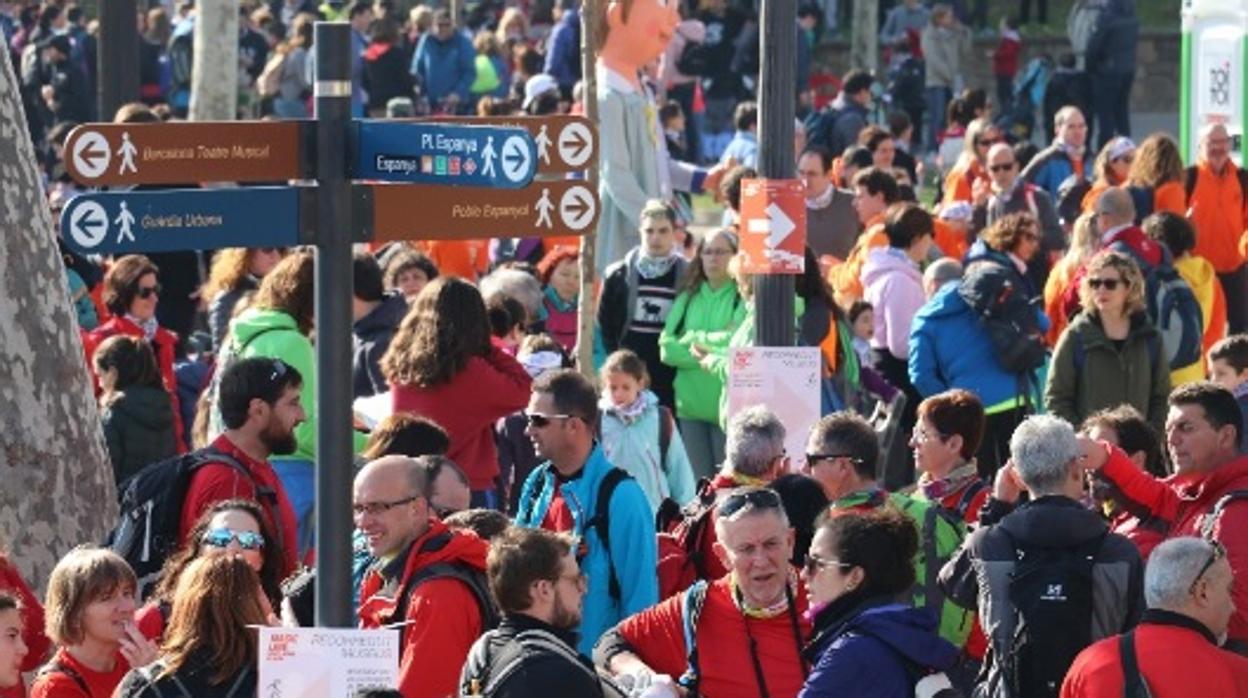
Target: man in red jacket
[1174, 649]
[1115, 221]
[442, 610]
[260, 407]
[1208, 494]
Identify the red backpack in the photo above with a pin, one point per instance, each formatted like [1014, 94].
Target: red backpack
[685, 537]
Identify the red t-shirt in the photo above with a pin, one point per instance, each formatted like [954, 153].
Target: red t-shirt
[558, 516]
[60, 684]
[723, 639]
[214, 483]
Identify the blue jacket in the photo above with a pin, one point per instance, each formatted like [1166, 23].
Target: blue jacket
[1050, 167]
[563, 53]
[444, 67]
[949, 348]
[634, 445]
[862, 656]
[634, 551]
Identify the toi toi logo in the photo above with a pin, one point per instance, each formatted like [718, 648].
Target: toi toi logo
[1220, 84]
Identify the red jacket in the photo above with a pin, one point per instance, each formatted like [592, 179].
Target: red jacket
[59, 684]
[1005, 58]
[1182, 500]
[489, 388]
[657, 637]
[164, 343]
[37, 643]
[216, 483]
[1176, 656]
[443, 617]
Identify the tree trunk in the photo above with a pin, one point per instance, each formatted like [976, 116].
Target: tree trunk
[864, 42]
[214, 73]
[56, 484]
[587, 306]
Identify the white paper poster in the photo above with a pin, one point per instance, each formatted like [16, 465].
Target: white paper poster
[326, 662]
[786, 380]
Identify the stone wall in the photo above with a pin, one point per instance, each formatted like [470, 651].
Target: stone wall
[1156, 87]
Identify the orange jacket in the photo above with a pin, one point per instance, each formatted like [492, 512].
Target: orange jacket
[960, 182]
[1055, 298]
[1217, 209]
[467, 259]
[1170, 197]
[846, 277]
[949, 239]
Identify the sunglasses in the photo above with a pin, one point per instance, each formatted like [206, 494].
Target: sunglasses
[1001, 167]
[221, 538]
[146, 292]
[812, 458]
[1125, 158]
[541, 421]
[988, 141]
[756, 499]
[1216, 554]
[815, 564]
[279, 370]
[1107, 284]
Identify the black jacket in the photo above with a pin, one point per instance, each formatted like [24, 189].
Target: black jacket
[371, 338]
[525, 657]
[191, 681]
[138, 428]
[1115, 33]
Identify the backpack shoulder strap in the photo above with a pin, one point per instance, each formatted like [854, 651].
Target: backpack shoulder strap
[1210, 520]
[1134, 685]
[1189, 180]
[666, 427]
[968, 495]
[58, 667]
[691, 603]
[600, 523]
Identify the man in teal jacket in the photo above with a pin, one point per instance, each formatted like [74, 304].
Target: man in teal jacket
[568, 492]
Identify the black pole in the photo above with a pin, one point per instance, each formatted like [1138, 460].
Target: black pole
[773, 293]
[117, 60]
[333, 326]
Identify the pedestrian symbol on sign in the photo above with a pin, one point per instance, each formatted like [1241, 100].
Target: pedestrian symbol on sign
[543, 145]
[487, 156]
[127, 151]
[124, 221]
[544, 207]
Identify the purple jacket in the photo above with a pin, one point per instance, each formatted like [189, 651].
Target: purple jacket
[894, 288]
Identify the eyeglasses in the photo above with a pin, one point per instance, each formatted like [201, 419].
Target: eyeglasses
[923, 436]
[1001, 167]
[760, 498]
[580, 580]
[987, 141]
[221, 538]
[815, 564]
[1107, 284]
[146, 292]
[718, 253]
[1216, 554]
[1125, 158]
[812, 458]
[541, 421]
[375, 508]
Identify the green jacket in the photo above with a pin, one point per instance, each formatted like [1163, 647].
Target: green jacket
[263, 332]
[1089, 373]
[706, 317]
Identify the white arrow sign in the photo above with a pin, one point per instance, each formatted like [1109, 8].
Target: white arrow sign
[515, 158]
[575, 144]
[776, 227]
[577, 207]
[88, 224]
[92, 154]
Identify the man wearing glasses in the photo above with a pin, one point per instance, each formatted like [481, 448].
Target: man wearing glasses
[748, 627]
[1208, 494]
[578, 491]
[1115, 222]
[1174, 650]
[1217, 199]
[1012, 194]
[427, 576]
[1067, 156]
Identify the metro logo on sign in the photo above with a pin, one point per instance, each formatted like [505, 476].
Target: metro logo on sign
[398, 152]
[773, 226]
[564, 143]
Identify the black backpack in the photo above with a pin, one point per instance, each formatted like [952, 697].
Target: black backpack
[151, 511]
[1006, 314]
[181, 58]
[1050, 593]
[821, 128]
[695, 58]
[471, 577]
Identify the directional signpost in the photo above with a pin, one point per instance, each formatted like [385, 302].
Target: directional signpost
[203, 219]
[564, 143]
[773, 226]
[185, 152]
[483, 156]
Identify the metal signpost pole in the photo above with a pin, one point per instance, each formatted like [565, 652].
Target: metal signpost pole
[773, 293]
[333, 326]
[118, 76]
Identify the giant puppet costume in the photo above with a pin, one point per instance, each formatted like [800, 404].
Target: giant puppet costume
[634, 163]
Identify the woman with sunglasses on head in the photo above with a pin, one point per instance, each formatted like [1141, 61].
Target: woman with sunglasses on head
[233, 528]
[859, 563]
[131, 294]
[210, 646]
[236, 272]
[90, 617]
[1110, 354]
[969, 175]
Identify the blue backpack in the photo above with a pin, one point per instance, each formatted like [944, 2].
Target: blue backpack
[1172, 308]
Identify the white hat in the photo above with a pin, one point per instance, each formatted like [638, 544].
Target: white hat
[957, 211]
[1119, 147]
[537, 86]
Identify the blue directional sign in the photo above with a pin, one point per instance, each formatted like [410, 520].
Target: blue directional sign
[428, 153]
[182, 219]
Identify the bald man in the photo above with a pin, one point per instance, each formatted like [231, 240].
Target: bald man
[1012, 194]
[1217, 200]
[425, 574]
[1115, 223]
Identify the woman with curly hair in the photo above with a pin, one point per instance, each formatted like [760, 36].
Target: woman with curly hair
[210, 647]
[235, 272]
[1156, 178]
[408, 271]
[1110, 354]
[233, 528]
[1111, 168]
[561, 280]
[444, 364]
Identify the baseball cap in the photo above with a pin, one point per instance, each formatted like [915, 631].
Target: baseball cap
[537, 86]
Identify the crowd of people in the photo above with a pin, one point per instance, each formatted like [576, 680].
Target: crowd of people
[1026, 477]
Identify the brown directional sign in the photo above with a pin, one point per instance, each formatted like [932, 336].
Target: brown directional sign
[185, 152]
[437, 212]
[564, 143]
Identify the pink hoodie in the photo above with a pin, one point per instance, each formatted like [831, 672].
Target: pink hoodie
[894, 288]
